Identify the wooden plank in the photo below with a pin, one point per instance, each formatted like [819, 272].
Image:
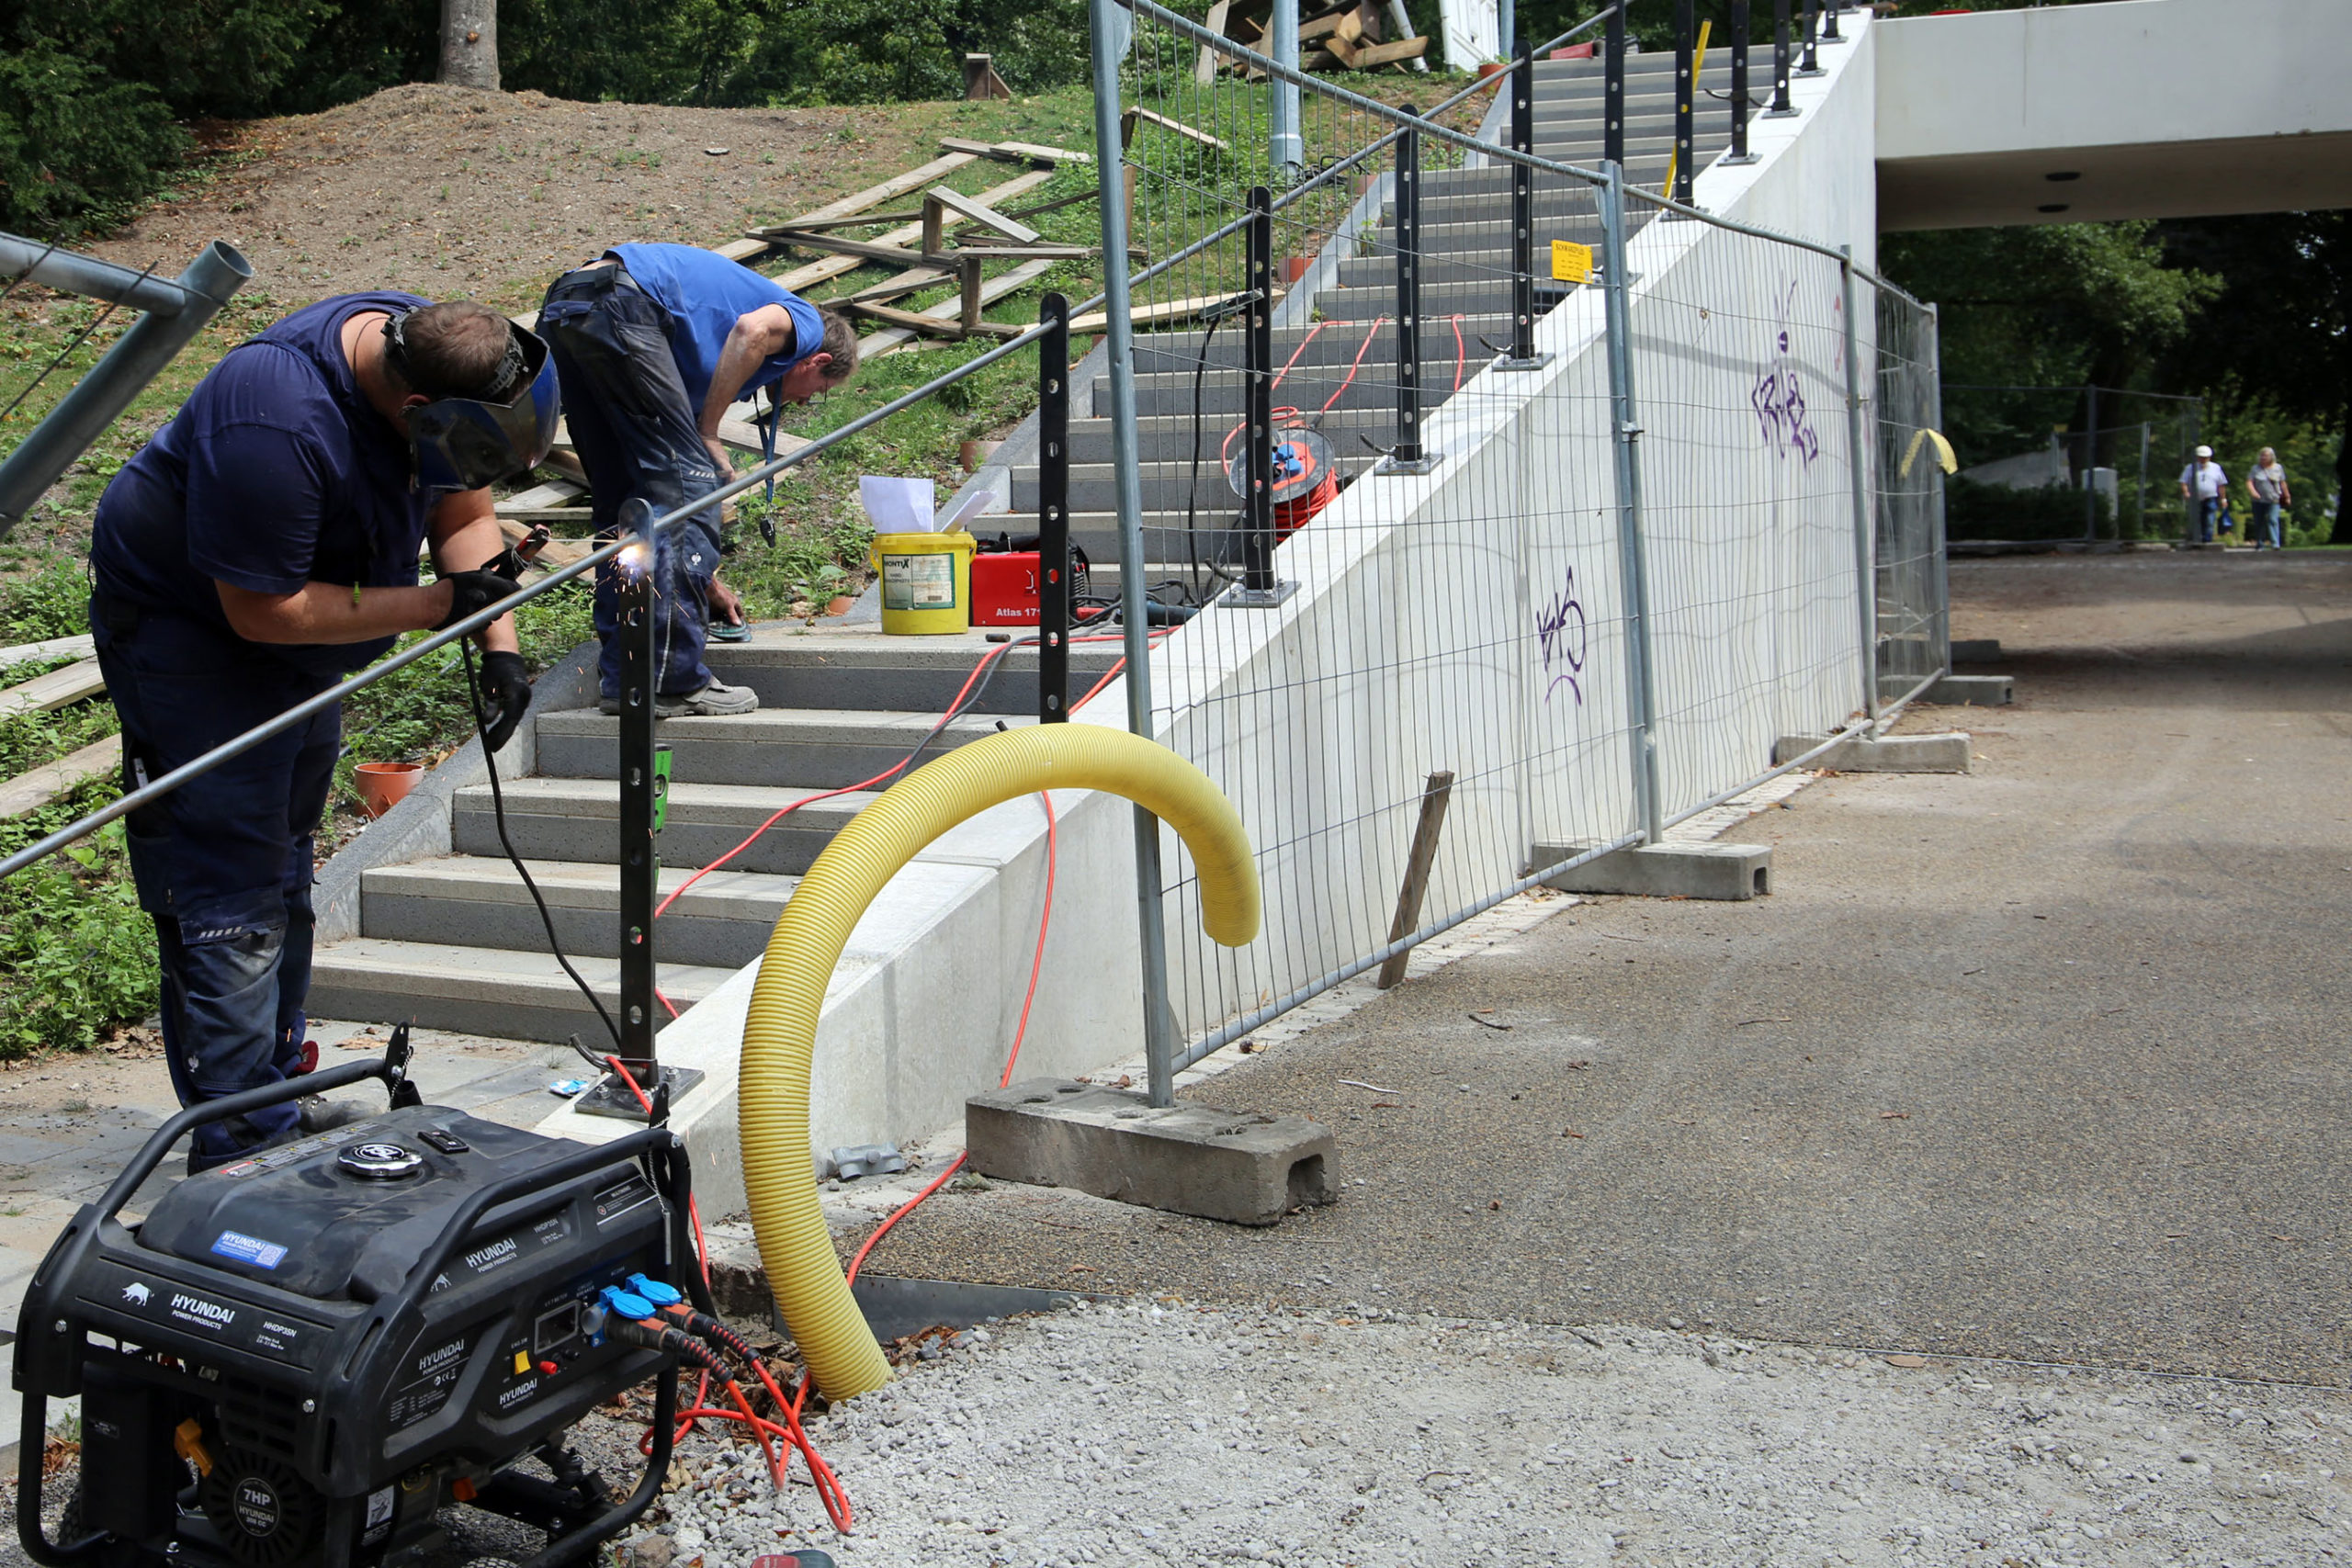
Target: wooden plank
[1317, 59]
[31, 791]
[555, 492]
[751, 247]
[981, 213]
[808, 276]
[931, 326]
[555, 552]
[1016, 152]
[967, 293]
[875, 196]
[1341, 52]
[55, 648]
[510, 513]
[54, 689]
[981, 80]
[1132, 118]
[1403, 21]
[1331, 22]
[1434, 797]
[1389, 54]
[899, 255]
[1166, 311]
[1204, 68]
[892, 338]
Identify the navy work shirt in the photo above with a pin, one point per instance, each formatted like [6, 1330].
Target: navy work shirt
[277, 472]
[705, 294]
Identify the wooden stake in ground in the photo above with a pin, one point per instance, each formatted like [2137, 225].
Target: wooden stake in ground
[1435, 795]
[981, 80]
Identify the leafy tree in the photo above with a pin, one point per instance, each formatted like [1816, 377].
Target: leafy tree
[72, 139]
[2279, 337]
[2048, 305]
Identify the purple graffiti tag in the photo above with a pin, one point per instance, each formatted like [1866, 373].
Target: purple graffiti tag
[1564, 640]
[1782, 413]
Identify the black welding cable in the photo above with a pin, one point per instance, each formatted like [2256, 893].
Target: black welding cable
[1193, 489]
[498, 810]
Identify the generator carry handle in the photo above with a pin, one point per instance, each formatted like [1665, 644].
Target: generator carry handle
[391, 1068]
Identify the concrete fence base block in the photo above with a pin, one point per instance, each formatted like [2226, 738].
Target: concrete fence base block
[1976, 650]
[1978, 691]
[1190, 1160]
[1945, 753]
[1666, 870]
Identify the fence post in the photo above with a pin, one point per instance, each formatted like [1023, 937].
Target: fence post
[1781, 108]
[1111, 28]
[1641, 689]
[1811, 64]
[1739, 104]
[1612, 90]
[1939, 565]
[2090, 467]
[1685, 94]
[1830, 33]
[1865, 554]
[1407, 457]
[1522, 355]
[1287, 147]
[1053, 511]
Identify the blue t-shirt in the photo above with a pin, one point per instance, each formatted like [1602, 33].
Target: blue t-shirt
[275, 473]
[705, 294]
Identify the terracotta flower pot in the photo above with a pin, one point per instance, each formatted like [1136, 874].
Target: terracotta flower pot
[1294, 268]
[974, 455]
[839, 605]
[383, 785]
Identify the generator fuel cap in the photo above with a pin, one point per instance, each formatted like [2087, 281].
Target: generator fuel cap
[380, 1162]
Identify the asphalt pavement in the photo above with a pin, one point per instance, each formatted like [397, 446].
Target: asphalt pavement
[2048, 1062]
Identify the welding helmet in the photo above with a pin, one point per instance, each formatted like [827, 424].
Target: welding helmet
[464, 441]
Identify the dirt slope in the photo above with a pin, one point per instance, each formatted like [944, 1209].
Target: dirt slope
[450, 191]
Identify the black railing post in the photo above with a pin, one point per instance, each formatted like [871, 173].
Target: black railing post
[1612, 90]
[1811, 64]
[1257, 383]
[1522, 355]
[1406, 457]
[1686, 91]
[1053, 511]
[640, 870]
[1781, 108]
[1739, 102]
[1830, 33]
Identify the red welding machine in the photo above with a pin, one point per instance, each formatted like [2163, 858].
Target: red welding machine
[1005, 581]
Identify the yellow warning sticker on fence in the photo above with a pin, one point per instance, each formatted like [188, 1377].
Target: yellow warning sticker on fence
[1571, 263]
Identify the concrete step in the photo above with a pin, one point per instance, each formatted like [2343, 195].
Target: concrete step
[863, 672]
[1333, 340]
[1162, 435]
[1222, 391]
[578, 819]
[480, 902]
[1469, 265]
[817, 748]
[508, 994]
[1166, 473]
[1439, 303]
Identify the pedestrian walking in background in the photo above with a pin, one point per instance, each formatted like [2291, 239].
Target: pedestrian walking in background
[2267, 486]
[2207, 489]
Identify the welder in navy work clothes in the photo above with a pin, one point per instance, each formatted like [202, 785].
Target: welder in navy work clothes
[654, 342]
[263, 547]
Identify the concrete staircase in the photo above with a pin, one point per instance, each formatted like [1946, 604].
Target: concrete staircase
[454, 942]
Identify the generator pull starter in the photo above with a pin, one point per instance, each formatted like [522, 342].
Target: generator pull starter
[301, 1357]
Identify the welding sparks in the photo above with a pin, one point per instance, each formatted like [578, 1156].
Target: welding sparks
[635, 560]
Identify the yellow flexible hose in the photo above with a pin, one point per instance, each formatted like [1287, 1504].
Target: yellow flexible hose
[780, 1033]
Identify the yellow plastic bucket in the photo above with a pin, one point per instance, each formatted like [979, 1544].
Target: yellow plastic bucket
[926, 581]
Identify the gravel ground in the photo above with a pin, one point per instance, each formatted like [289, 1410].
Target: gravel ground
[1175, 1432]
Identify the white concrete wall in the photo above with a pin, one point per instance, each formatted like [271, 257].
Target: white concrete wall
[1415, 641]
[2129, 72]
[2142, 108]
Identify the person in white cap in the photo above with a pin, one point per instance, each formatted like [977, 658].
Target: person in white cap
[2206, 489]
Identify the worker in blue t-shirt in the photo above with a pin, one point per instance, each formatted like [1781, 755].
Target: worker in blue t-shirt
[653, 343]
[260, 549]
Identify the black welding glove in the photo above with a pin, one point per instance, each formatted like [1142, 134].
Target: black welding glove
[473, 591]
[505, 696]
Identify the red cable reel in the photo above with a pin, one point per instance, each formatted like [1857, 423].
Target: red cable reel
[1306, 478]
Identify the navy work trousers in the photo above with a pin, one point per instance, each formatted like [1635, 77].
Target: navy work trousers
[222, 864]
[626, 408]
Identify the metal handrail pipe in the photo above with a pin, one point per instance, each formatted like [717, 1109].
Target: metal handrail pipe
[238, 745]
[70, 272]
[57, 443]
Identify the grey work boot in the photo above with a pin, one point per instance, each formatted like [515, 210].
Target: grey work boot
[717, 700]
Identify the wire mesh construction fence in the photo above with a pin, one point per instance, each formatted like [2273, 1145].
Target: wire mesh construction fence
[1912, 630]
[1510, 517]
